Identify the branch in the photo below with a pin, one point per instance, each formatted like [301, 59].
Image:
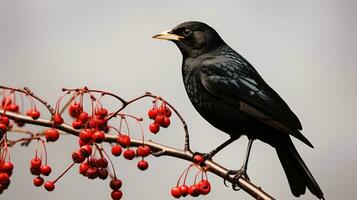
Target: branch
[212, 166]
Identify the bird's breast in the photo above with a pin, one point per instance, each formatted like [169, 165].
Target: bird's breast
[216, 112]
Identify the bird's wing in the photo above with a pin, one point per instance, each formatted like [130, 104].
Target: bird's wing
[238, 84]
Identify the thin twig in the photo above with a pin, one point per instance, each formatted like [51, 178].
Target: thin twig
[27, 91]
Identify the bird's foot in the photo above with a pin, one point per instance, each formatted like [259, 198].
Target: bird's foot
[237, 174]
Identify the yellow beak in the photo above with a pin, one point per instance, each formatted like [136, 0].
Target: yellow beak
[166, 35]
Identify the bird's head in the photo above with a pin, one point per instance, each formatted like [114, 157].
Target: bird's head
[192, 38]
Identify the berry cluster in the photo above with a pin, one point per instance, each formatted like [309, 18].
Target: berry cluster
[92, 125]
[129, 154]
[161, 116]
[203, 187]
[82, 119]
[91, 156]
[37, 168]
[8, 104]
[5, 174]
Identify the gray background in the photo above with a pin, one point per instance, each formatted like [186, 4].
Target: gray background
[305, 50]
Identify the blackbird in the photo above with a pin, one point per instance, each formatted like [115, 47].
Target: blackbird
[230, 94]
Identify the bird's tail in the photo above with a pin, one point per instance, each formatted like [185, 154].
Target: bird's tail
[297, 173]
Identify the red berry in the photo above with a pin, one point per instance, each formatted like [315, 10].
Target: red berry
[103, 173]
[7, 167]
[83, 167]
[164, 110]
[159, 119]
[74, 109]
[33, 113]
[116, 150]
[143, 165]
[194, 190]
[116, 195]
[9, 173]
[123, 140]
[86, 150]
[154, 128]
[36, 163]
[166, 122]
[168, 112]
[198, 159]
[184, 190]
[176, 192]
[77, 157]
[94, 162]
[4, 177]
[57, 119]
[38, 181]
[98, 136]
[92, 173]
[5, 120]
[52, 135]
[77, 124]
[152, 113]
[49, 186]
[3, 128]
[83, 116]
[20, 124]
[5, 184]
[102, 123]
[45, 170]
[205, 187]
[143, 150]
[93, 122]
[86, 135]
[115, 184]
[129, 154]
[35, 171]
[12, 107]
[102, 112]
[81, 142]
[102, 162]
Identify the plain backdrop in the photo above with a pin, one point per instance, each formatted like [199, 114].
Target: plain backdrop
[306, 50]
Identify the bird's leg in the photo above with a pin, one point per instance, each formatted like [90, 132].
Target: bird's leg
[243, 170]
[219, 148]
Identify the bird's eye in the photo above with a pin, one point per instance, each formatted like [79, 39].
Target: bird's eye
[186, 32]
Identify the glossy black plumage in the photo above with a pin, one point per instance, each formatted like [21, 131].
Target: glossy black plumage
[230, 94]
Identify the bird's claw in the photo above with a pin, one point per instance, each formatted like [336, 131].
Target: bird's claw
[237, 174]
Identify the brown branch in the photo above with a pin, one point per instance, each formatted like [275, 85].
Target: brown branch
[213, 167]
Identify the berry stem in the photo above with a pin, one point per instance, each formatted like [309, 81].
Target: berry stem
[63, 173]
[111, 163]
[184, 172]
[44, 149]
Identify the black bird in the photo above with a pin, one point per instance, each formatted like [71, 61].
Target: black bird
[230, 94]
